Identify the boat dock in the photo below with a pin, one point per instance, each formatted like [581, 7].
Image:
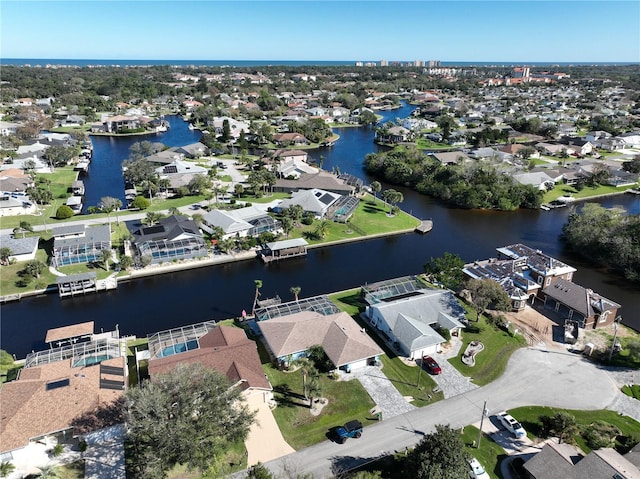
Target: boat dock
[424, 227]
[277, 250]
[83, 283]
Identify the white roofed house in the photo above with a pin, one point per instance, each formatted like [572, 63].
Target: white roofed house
[249, 221]
[313, 201]
[538, 179]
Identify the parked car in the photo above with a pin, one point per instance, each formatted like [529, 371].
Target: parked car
[350, 429]
[476, 471]
[511, 425]
[432, 366]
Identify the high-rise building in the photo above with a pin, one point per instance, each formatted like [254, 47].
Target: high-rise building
[384, 63]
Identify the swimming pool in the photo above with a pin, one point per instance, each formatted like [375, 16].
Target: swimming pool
[178, 348]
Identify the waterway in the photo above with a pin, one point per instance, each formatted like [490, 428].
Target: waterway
[219, 292]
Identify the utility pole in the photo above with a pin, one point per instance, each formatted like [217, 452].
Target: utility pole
[615, 334]
[484, 413]
[419, 374]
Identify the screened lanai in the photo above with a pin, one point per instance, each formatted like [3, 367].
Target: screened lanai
[178, 340]
[320, 304]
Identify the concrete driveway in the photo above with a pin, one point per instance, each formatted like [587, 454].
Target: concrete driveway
[533, 377]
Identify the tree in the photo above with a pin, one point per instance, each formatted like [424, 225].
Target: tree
[287, 225]
[321, 228]
[439, 455]
[34, 268]
[375, 188]
[6, 468]
[258, 285]
[5, 255]
[259, 471]
[446, 124]
[561, 425]
[392, 197]
[140, 203]
[446, 270]
[64, 212]
[295, 290]
[632, 166]
[152, 218]
[108, 204]
[105, 257]
[49, 471]
[189, 416]
[24, 227]
[125, 262]
[485, 292]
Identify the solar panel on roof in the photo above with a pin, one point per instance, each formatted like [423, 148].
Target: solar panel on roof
[110, 384]
[170, 169]
[326, 199]
[114, 370]
[153, 229]
[57, 384]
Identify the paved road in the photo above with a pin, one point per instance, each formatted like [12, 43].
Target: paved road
[533, 377]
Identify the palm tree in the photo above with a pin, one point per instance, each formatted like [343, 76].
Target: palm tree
[287, 225]
[105, 256]
[258, 284]
[375, 188]
[34, 268]
[321, 228]
[295, 290]
[5, 255]
[6, 468]
[48, 471]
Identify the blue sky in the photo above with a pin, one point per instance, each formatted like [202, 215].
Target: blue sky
[504, 31]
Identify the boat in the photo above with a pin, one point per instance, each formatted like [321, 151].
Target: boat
[566, 199]
[633, 191]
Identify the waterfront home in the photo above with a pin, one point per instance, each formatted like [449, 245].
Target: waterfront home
[249, 221]
[294, 168]
[22, 249]
[224, 349]
[450, 157]
[321, 180]
[393, 135]
[76, 244]
[173, 238]
[346, 344]
[315, 201]
[411, 320]
[573, 302]
[56, 387]
[283, 155]
[11, 205]
[537, 179]
[276, 250]
[194, 150]
[165, 157]
[179, 167]
[235, 126]
[290, 139]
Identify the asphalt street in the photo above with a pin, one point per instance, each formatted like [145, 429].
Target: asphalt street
[533, 377]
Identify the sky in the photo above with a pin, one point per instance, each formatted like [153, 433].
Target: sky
[325, 30]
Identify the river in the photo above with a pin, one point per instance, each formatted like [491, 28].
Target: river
[218, 292]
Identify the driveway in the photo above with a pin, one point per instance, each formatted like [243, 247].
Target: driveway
[533, 377]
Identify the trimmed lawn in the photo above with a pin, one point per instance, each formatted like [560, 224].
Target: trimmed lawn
[492, 361]
[529, 418]
[268, 198]
[101, 273]
[586, 192]
[346, 400]
[10, 275]
[424, 144]
[75, 470]
[489, 454]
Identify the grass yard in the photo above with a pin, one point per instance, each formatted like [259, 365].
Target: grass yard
[529, 418]
[75, 470]
[10, 276]
[346, 400]
[498, 347]
[424, 144]
[489, 454]
[586, 192]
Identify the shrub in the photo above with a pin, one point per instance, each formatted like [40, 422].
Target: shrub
[82, 446]
[57, 450]
[140, 202]
[600, 434]
[307, 220]
[444, 332]
[64, 212]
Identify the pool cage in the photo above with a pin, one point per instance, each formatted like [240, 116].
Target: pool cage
[161, 251]
[178, 340]
[384, 290]
[342, 210]
[263, 224]
[81, 354]
[319, 304]
[78, 253]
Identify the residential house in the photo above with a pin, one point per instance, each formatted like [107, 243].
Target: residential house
[284, 155]
[410, 321]
[565, 461]
[224, 349]
[395, 134]
[235, 126]
[55, 388]
[577, 146]
[322, 180]
[174, 238]
[8, 128]
[345, 343]
[574, 302]
[194, 150]
[249, 221]
[165, 157]
[22, 249]
[521, 271]
[290, 139]
[180, 167]
[450, 157]
[119, 123]
[314, 201]
[79, 243]
[538, 179]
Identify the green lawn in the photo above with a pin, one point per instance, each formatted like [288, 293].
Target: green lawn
[424, 144]
[346, 400]
[492, 361]
[101, 273]
[529, 418]
[586, 192]
[489, 454]
[10, 275]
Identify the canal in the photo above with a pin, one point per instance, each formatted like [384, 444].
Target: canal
[218, 292]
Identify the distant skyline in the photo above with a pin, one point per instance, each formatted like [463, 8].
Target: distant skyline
[327, 30]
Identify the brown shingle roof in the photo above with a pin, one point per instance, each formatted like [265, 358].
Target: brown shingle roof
[224, 349]
[28, 409]
[72, 331]
[340, 336]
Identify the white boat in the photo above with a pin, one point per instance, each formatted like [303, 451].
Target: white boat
[566, 199]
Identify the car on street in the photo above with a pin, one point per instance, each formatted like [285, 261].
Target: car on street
[511, 425]
[350, 429]
[476, 471]
[432, 366]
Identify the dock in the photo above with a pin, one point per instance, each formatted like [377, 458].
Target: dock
[424, 227]
[278, 250]
[84, 283]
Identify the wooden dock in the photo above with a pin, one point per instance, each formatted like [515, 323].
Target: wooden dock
[424, 227]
